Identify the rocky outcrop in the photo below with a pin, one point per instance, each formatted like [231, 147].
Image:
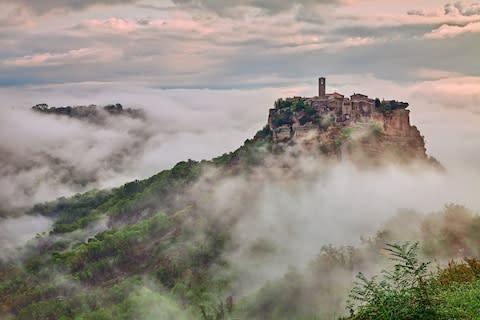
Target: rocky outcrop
[373, 137]
[389, 137]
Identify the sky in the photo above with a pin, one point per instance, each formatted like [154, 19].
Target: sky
[233, 44]
[206, 72]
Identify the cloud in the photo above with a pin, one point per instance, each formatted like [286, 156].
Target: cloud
[40, 160]
[45, 6]
[450, 31]
[12, 17]
[113, 24]
[453, 92]
[266, 6]
[40, 152]
[171, 25]
[458, 8]
[432, 74]
[299, 209]
[77, 56]
[298, 203]
[199, 50]
[461, 8]
[15, 232]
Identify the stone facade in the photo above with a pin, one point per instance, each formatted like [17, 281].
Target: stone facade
[330, 115]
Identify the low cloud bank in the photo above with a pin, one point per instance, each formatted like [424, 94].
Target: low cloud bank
[44, 157]
[15, 232]
[295, 205]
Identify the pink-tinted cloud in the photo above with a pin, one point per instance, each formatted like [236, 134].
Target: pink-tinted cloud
[116, 25]
[450, 31]
[426, 73]
[458, 92]
[83, 55]
[182, 22]
[175, 22]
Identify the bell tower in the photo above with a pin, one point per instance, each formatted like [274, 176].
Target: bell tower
[321, 87]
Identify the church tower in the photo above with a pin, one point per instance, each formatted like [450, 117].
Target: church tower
[321, 87]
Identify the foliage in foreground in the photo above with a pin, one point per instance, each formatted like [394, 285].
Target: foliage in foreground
[411, 292]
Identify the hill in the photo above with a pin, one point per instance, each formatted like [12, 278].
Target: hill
[163, 248]
[92, 113]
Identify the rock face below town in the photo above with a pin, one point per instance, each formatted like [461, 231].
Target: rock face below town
[393, 138]
[358, 127]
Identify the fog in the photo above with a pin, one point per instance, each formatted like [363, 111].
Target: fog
[16, 232]
[48, 156]
[281, 214]
[45, 156]
[296, 205]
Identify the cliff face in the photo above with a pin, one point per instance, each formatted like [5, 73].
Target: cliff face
[374, 135]
[393, 138]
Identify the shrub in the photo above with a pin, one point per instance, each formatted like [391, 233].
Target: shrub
[467, 271]
[403, 293]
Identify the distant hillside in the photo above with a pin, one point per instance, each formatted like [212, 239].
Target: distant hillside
[92, 112]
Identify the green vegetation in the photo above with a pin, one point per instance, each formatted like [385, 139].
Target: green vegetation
[159, 252]
[402, 294]
[411, 292]
[389, 105]
[126, 201]
[375, 128]
[171, 264]
[283, 104]
[252, 153]
[124, 266]
[285, 117]
[346, 133]
[286, 109]
[142, 197]
[152, 249]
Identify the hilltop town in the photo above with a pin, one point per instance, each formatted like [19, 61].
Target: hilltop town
[330, 120]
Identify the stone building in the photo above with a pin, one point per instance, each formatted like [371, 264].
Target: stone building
[343, 108]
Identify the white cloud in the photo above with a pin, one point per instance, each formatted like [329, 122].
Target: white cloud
[15, 232]
[41, 152]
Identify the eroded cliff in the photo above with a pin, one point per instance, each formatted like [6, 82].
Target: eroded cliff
[362, 131]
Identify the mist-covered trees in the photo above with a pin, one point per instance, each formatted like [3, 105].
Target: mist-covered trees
[177, 261]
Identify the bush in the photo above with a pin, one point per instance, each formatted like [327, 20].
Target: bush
[404, 293]
[456, 272]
